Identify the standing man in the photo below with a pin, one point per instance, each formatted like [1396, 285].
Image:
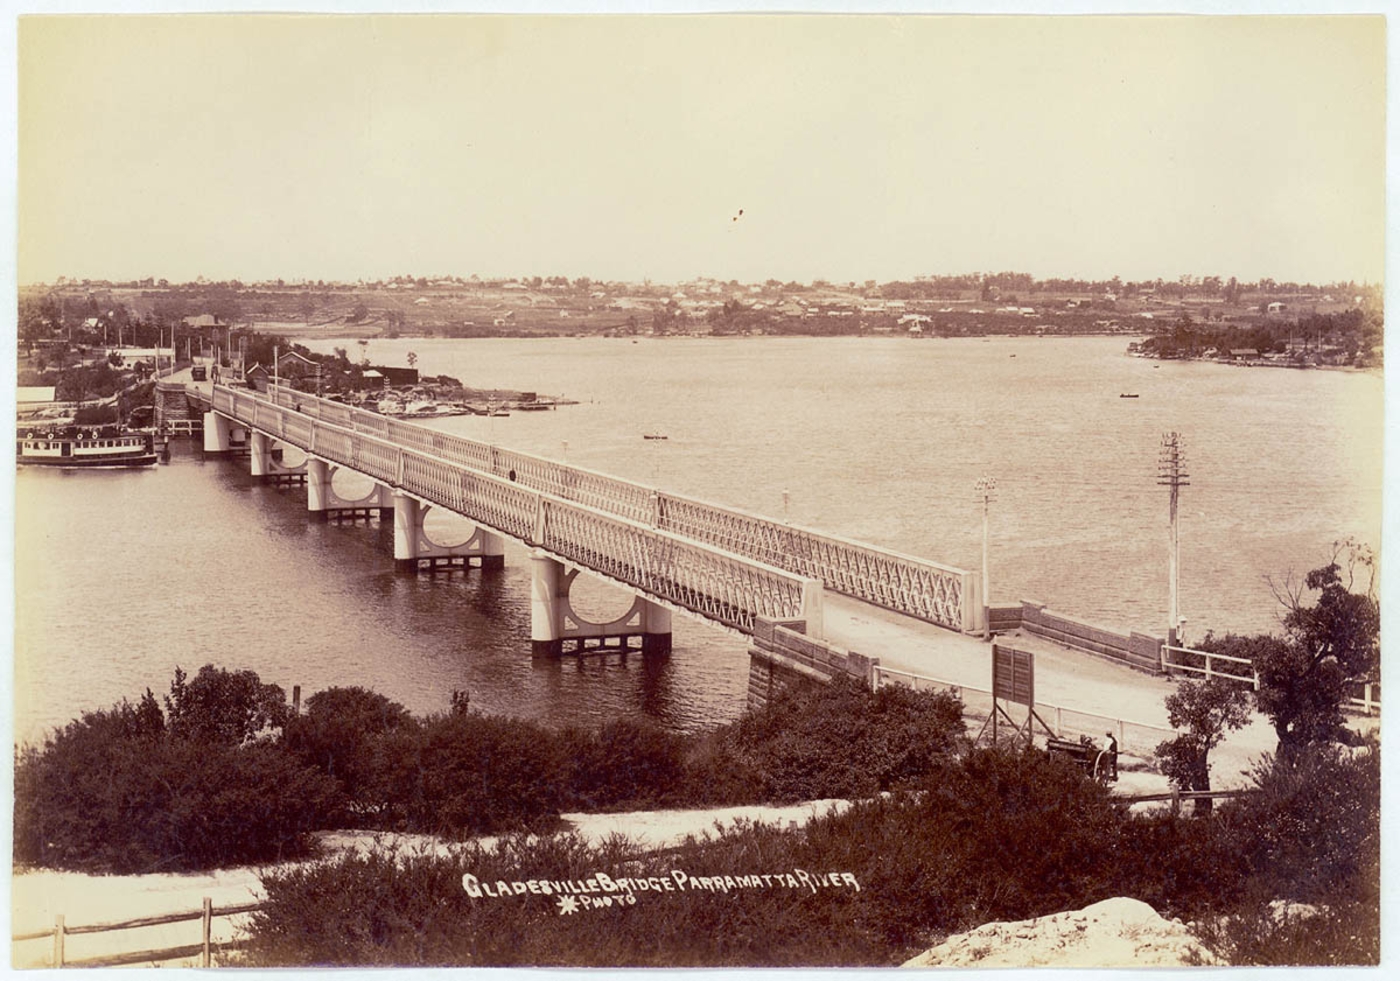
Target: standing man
[1111, 757]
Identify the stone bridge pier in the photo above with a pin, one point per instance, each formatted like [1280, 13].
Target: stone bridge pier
[414, 549]
[324, 504]
[555, 629]
[264, 461]
[223, 435]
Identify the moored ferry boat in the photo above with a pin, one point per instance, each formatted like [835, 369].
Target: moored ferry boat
[79, 447]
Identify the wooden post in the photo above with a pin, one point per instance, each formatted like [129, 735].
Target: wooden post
[58, 940]
[1059, 721]
[296, 699]
[208, 918]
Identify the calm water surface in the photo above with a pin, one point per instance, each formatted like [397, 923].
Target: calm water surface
[121, 576]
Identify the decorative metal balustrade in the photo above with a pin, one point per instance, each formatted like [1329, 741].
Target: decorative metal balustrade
[906, 584]
[723, 587]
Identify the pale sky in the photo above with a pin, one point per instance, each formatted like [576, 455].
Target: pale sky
[622, 147]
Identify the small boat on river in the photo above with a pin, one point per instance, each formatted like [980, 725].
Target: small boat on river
[1127, 395]
[83, 448]
[654, 436]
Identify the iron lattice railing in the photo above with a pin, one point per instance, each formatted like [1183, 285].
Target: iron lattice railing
[936, 593]
[727, 588]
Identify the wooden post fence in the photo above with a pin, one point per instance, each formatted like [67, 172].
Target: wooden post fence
[204, 950]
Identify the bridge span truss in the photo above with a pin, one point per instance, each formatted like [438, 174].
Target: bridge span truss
[940, 594]
[665, 570]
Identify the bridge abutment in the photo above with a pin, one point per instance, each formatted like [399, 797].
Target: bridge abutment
[218, 432]
[784, 654]
[555, 629]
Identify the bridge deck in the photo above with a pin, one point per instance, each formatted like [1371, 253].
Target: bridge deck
[939, 594]
[727, 589]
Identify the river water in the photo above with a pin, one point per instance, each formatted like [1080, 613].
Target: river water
[121, 576]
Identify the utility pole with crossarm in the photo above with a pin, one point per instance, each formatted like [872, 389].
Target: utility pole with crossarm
[1171, 473]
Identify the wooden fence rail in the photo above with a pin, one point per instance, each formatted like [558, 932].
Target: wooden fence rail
[1363, 696]
[1208, 665]
[203, 950]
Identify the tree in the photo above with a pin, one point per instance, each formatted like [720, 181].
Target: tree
[1333, 641]
[223, 707]
[412, 359]
[1206, 710]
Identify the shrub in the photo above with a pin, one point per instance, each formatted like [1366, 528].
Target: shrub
[1312, 832]
[998, 835]
[839, 740]
[628, 762]
[119, 790]
[142, 802]
[1347, 933]
[349, 734]
[478, 774]
[923, 864]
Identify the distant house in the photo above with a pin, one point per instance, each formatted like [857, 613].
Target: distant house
[205, 320]
[295, 365]
[1243, 353]
[1277, 307]
[396, 377]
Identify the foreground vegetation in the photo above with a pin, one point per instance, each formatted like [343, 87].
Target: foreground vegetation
[994, 834]
[225, 774]
[944, 836]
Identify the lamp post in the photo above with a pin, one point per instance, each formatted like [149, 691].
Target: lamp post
[986, 486]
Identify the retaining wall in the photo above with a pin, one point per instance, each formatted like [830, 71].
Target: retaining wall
[782, 655]
[1136, 650]
[171, 402]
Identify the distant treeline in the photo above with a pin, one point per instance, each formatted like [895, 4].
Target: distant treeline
[1346, 337]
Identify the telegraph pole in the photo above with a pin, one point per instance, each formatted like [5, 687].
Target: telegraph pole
[986, 486]
[1170, 473]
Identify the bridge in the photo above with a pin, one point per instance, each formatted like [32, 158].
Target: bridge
[727, 566]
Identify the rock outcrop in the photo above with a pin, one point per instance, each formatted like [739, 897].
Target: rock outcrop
[1117, 932]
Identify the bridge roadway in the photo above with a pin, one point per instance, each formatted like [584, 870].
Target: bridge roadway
[929, 591]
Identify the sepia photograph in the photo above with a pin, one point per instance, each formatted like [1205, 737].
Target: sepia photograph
[697, 487]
